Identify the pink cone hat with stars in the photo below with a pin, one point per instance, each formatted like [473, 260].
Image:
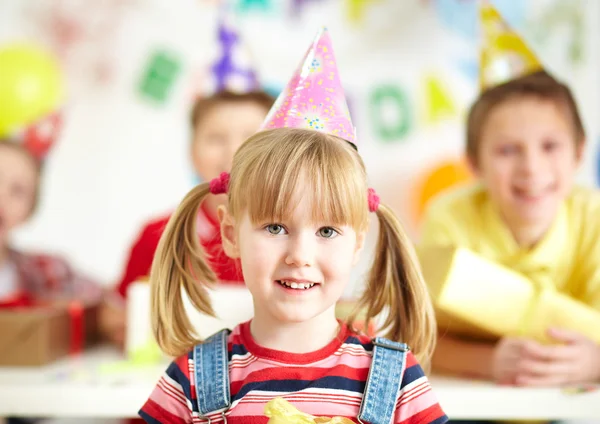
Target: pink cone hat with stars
[314, 97]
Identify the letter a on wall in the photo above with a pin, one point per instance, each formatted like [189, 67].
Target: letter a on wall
[439, 104]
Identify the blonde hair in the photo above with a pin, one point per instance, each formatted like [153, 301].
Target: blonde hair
[270, 165]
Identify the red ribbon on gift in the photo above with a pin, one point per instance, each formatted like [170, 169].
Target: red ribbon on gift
[77, 315]
[18, 300]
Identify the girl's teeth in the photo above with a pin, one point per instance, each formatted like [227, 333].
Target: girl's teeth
[299, 286]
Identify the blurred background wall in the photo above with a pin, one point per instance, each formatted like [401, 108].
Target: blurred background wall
[133, 67]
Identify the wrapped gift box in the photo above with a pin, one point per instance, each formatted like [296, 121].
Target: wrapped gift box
[476, 297]
[37, 335]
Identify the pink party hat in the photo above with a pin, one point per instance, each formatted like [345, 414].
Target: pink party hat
[314, 97]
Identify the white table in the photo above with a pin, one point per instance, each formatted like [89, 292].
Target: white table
[97, 385]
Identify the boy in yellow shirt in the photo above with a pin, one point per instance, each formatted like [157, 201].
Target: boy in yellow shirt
[525, 141]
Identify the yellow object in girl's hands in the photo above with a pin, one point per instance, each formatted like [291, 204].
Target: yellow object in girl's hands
[280, 411]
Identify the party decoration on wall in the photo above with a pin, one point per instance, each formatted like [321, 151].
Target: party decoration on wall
[293, 8]
[31, 86]
[392, 106]
[272, 88]
[435, 180]
[439, 104]
[160, 75]
[356, 9]
[254, 5]
[469, 68]
[504, 54]
[390, 112]
[561, 15]
[229, 71]
[197, 79]
[63, 29]
[460, 16]
[298, 5]
[83, 35]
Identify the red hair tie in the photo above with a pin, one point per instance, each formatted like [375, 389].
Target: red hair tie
[373, 200]
[220, 184]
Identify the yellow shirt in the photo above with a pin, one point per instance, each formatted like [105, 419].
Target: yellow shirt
[569, 253]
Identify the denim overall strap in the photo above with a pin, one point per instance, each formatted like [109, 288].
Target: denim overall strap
[383, 384]
[211, 364]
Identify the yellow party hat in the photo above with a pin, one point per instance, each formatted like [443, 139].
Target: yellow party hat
[504, 55]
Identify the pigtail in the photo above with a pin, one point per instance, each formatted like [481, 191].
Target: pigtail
[179, 263]
[396, 298]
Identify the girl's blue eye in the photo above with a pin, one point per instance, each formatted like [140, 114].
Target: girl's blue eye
[328, 232]
[275, 229]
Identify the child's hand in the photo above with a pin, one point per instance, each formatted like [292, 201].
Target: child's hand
[505, 359]
[575, 360]
[112, 321]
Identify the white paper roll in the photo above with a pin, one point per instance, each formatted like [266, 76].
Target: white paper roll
[139, 330]
[232, 305]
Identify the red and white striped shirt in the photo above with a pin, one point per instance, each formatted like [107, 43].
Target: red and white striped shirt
[329, 382]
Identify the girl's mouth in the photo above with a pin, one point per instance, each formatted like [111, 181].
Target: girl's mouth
[293, 285]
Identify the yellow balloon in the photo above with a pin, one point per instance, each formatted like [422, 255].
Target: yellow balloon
[31, 86]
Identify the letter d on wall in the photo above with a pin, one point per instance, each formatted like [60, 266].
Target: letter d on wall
[390, 113]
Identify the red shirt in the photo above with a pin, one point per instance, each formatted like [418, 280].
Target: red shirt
[142, 252]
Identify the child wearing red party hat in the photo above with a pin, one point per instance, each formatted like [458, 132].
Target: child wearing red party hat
[32, 89]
